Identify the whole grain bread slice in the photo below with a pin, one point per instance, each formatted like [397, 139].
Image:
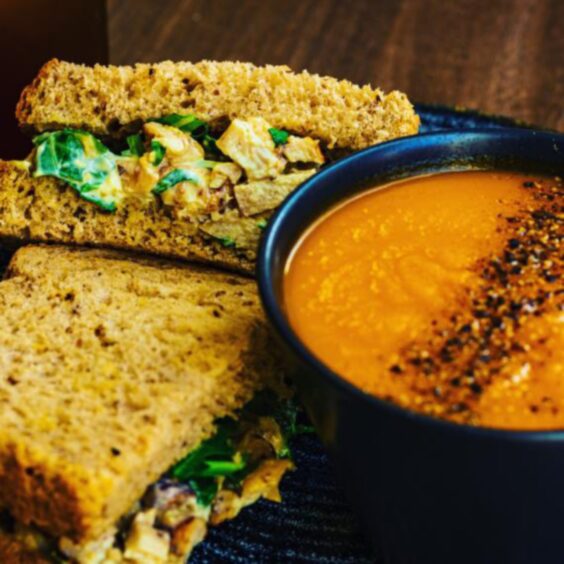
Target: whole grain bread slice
[109, 101]
[112, 368]
[46, 210]
[106, 100]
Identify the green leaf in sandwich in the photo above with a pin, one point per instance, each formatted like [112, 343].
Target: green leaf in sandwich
[135, 145]
[214, 458]
[157, 152]
[175, 177]
[226, 459]
[279, 136]
[187, 123]
[82, 161]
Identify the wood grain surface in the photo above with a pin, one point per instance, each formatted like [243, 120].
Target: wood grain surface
[498, 56]
[32, 32]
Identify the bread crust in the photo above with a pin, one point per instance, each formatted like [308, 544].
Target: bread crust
[108, 100]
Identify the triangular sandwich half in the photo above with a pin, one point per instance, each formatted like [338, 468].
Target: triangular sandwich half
[181, 159]
[115, 374]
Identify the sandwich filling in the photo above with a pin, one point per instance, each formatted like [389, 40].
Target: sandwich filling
[243, 462]
[224, 186]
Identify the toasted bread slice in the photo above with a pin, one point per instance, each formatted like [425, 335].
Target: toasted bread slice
[105, 100]
[113, 368]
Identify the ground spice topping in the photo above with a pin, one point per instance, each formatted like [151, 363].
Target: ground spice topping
[487, 335]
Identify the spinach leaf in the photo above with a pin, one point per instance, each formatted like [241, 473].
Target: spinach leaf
[205, 489]
[106, 203]
[175, 177]
[157, 152]
[203, 460]
[188, 123]
[82, 161]
[136, 146]
[227, 242]
[279, 136]
[215, 457]
[218, 458]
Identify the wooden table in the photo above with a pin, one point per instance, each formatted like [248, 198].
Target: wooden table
[499, 56]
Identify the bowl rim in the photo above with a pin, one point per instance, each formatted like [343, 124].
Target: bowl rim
[275, 313]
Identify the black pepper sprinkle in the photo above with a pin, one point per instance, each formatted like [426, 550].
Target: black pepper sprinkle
[479, 313]
[115, 451]
[517, 283]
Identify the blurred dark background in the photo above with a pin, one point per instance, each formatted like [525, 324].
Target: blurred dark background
[498, 56]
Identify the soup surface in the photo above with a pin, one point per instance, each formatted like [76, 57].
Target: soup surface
[442, 294]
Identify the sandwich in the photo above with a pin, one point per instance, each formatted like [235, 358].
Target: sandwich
[180, 159]
[141, 403]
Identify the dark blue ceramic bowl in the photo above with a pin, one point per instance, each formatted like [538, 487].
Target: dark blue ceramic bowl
[427, 491]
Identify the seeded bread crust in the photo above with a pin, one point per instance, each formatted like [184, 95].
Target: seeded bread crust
[46, 210]
[108, 99]
[112, 368]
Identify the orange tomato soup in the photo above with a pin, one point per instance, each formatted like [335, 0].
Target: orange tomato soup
[442, 294]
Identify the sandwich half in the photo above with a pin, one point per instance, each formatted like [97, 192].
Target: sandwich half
[140, 402]
[180, 159]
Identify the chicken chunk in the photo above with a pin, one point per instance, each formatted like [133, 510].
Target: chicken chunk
[250, 145]
[145, 544]
[303, 150]
[189, 198]
[181, 149]
[224, 172]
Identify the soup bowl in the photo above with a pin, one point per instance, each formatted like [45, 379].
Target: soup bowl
[426, 490]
